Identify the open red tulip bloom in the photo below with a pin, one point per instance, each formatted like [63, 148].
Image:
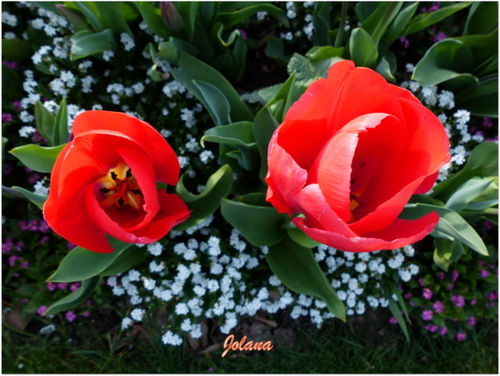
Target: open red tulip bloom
[348, 157]
[104, 182]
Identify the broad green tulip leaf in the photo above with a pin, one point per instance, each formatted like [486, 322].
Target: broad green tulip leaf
[170, 50]
[480, 100]
[110, 15]
[60, 132]
[247, 159]
[89, 11]
[264, 126]
[362, 48]
[278, 103]
[446, 252]
[38, 158]
[260, 225]
[86, 44]
[445, 60]
[396, 312]
[37, 199]
[188, 11]
[16, 49]
[240, 133]
[215, 102]
[44, 122]
[324, 52]
[127, 259]
[202, 205]
[297, 269]
[482, 18]
[192, 69]
[152, 17]
[450, 226]
[234, 16]
[483, 47]
[482, 162]
[321, 22]
[74, 17]
[396, 28]
[76, 297]
[379, 21]
[80, 264]
[230, 39]
[384, 69]
[468, 192]
[301, 238]
[424, 20]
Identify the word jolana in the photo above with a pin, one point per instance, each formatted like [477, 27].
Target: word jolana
[242, 345]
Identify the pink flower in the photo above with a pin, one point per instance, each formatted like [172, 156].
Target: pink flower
[393, 320]
[472, 321]
[51, 286]
[443, 331]
[427, 294]
[70, 316]
[460, 336]
[41, 310]
[427, 315]
[75, 286]
[438, 307]
[62, 286]
[458, 300]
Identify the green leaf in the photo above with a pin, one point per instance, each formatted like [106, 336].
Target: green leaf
[260, 225]
[44, 122]
[324, 52]
[170, 50]
[396, 312]
[482, 18]
[152, 17]
[380, 20]
[396, 28]
[275, 50]
[264, 126]
[192, 69]
[362, 48]
[16, 49]
[215, 102]
[110, 16]
[446, 252]
[468, 192]
[38, 158]
[304, 70]
[296, 267]
[60, 132]
[424, 20]
[482, 162]
[12, 85]
[444, 61]
[36, 198]
[240, 133]
[480, 100]
[126, 260]
[76, 297]
[234, 17]
[80, 263]
[202, 205]
[300, 237]
[450, 226]
[321, 22]
[86, 44]
[85, 8]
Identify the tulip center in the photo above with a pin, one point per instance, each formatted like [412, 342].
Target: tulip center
[119, 187]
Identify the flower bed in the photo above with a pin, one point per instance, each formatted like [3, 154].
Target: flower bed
[196, 72]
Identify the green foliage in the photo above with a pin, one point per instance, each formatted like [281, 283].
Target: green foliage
[302, 274]
[38, 158]
[75, 298]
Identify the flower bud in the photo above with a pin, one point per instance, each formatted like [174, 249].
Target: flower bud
[171, 17]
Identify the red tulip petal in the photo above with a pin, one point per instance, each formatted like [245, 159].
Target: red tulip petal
[165, 161]
[397, 235]
[302, 139]
[427, 184]
[319, 214]
[285, 178]
[405, 94]
[172, 212]
[333, 167]
[322, 96]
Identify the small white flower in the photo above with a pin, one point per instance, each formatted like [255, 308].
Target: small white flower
[137, 314]
[170, 338]
[128, 42]
[181, 309]
[107, 55]
[213, 285]
[149, 283]
[9, 19]
[155, 249]
[49, 329]
[206, 156]
[134, 275]
[26, 131]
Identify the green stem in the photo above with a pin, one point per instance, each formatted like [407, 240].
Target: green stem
[343, 18]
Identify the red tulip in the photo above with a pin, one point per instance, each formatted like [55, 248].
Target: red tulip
[104, 182]
[349, 155]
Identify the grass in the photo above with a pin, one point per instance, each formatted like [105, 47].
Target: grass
[336, 348]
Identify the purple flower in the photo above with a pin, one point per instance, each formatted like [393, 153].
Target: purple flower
[493, 295]
[443, 331]
[484, 273]
[393, 320]
[44, 239]
[41, 310]
[25, 265]
[44, 226]
[10, 64]
[438, 307]
[473, 302]
[441, 275]
[62, 286]
[460, 336]
[243, 34]
[472, 321]
[19, 246]
[439, 36]
[70, 316]
[75, 286]
[427, 294]
[487, 123]
[51, 286]
[13, 259]
[427, 315]
[88, 302]
[408, 295]
[86, 314]
[434, 328]
[454, 275]
[7, 117]
[458, 300]
[70, 245]
[7, 245]
[421, 282]
[405, 42]
[32, 179]
[435, 6]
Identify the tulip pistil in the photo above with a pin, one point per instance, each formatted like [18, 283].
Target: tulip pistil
[120, 188]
